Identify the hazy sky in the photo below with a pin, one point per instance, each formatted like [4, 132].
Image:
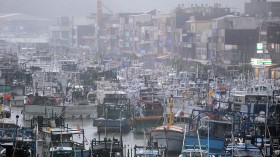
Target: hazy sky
[84, 7]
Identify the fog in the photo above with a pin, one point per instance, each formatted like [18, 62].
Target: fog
[50, 8]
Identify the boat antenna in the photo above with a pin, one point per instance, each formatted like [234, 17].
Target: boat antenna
[170, 115]
[165, 119]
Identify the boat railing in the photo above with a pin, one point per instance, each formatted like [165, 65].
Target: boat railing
[186, 130]
[62, 143]
[78, 145]
[202, 147]
[151, 150]
[15, 134]
[106, 143]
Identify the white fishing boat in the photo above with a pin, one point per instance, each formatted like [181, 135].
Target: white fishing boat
[255, 91]
[169, 135]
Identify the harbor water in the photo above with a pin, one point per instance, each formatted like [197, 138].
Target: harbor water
[129, 139]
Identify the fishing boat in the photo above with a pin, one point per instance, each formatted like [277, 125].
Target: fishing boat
[15, 140]
[169, 135]
[79, 95]
[242, 150]
[205, 133]
[114, 113]
[92, 97]
[106, 147]
[112, 123]
[256, 132]
[253, 89]
[152, 149]
[194, 152]
[148, 111]
[149, 116]
[54, 138]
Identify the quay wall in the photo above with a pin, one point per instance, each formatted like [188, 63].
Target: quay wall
[74, 112]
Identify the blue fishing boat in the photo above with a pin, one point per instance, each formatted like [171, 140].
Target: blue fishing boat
[114, 114]
[256, 132]
[205, 133]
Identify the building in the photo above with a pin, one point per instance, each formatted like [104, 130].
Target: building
[61, 31]
[262, 8]
[191, 29]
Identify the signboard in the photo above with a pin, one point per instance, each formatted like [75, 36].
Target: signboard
[260, 47]
[262, 62]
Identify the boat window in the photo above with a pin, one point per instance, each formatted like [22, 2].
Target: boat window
[256, 89]
[239, 100]
[223, 92]
[91, 97]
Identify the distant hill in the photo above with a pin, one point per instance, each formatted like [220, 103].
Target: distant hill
[51, 8]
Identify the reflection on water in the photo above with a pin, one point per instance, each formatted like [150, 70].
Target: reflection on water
[91, 132]
[129, 139]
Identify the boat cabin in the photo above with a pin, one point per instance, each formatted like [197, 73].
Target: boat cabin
[92, 97]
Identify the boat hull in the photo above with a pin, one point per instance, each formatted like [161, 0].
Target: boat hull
[111, 125]
[171, 138]
[216, 145]
[146, 124]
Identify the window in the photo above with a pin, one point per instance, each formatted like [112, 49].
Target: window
[65, 35]
[55, 35]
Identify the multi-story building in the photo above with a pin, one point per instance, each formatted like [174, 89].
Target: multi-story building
[234, 38]
[163, 44]
[192, 30]
[139, 33]
[61, 31]
[83, 33]
[262, 8]
[201, 31]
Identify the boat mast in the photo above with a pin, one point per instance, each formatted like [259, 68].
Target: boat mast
[170, 114]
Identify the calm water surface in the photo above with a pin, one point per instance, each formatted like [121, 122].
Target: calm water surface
[130, 139]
